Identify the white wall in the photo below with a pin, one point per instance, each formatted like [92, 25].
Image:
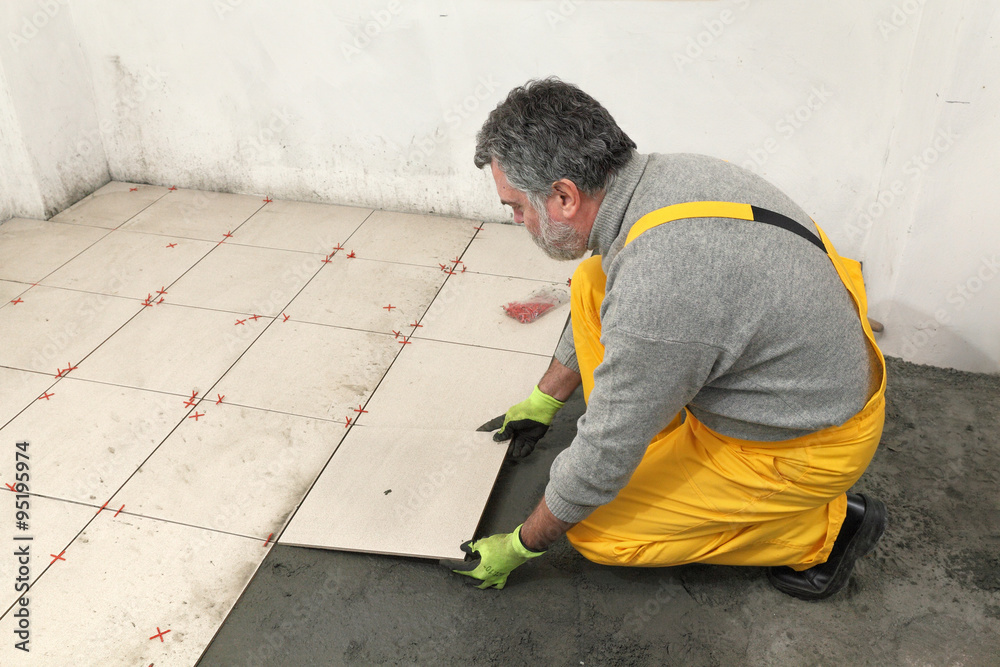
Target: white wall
[376, 102]
[52, 152]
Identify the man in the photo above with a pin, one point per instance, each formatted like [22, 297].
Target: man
[734, 389]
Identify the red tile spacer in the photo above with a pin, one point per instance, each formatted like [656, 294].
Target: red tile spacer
[221, 396]
[159, 633]
[395, 333]
[348, 422]
[71, 367]
[338, 247]
[191, 402]
[133, 189]
[360, 410]
[59, 557]
[148, 301]
[162, 290]
[351, 255]
[478, 228]
[171, 245]
[255, 317]
[172, 188]
[326, 260]
[267, 200]
[285, 316]
[463, 268]
[240, 322]
[119, 511]
[9, 486]
[569, 281]
[103, 506]
[196, 415]
[17, 301]
[266, 542]
[229, 234]
[403, 342]
[160, 301]
[390, 307]
[414, 324]
[46, 396]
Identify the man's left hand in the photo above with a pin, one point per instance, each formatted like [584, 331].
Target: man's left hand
[494, 558]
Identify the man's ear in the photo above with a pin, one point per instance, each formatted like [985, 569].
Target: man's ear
[569, 197]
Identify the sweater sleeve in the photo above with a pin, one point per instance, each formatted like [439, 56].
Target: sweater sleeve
[638, 389]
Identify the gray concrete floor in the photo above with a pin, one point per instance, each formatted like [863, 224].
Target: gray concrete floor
[928, 595]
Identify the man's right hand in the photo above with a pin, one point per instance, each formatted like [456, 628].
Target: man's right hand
[525, 423]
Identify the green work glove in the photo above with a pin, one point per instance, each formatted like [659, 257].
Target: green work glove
[525, 423]
[493, 558]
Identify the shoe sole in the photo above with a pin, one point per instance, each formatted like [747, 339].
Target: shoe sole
[872, 527]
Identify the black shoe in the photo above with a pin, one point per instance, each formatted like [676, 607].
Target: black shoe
[863, 526]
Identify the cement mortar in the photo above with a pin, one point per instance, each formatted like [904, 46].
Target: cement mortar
[928, 595]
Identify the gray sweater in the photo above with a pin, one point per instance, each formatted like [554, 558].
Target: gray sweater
[746, 324]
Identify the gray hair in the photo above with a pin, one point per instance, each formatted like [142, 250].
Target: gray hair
[547, 130]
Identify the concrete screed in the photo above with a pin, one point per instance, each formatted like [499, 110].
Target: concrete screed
[928, 595]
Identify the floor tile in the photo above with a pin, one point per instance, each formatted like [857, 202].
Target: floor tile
[123, 581]
[310, 370]
[400, 491]
[88, 438]
[507, 250]
[129, 264]
[244, 279]
[111, 205]
[193, 214]
[234, 469]
[470, 310]
[18, 389]
[412, 239]
[55, 327]
[51, 524]
[171, 348]
[436, 385]
[357, 293]
[293, 225]
[32, 249]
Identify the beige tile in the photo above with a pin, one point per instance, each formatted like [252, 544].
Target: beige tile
[9, 291]
[244, 279]
[52, 525]
[90, 437]
[470, 310]
[173, 349]
[436, 385]
[19, 389]
[129, 264]
[310, 370]
[357, 293]
[293, 225]
[53, 328]
[411, 239]
[111, 205]
[234, 469]
[194, 214]
[507, 250]
[400, 491]
[32, 249]
[123, 578]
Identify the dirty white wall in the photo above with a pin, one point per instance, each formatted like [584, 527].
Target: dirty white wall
[52, 153]
[376, 102]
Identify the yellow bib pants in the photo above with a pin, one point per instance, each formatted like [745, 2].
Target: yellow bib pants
[700, 496]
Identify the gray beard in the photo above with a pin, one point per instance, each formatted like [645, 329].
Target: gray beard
[557, 239]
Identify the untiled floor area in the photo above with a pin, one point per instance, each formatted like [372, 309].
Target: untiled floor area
[186, 367]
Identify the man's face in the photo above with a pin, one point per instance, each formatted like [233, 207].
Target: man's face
[558, 239]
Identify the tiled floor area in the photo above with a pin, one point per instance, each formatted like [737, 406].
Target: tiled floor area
[189, 368]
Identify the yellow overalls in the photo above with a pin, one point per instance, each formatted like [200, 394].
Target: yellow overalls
[700, 496]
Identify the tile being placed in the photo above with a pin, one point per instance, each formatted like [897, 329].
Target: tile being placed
[55, 327]
[32, 249]
[87, 438]
[234, 469]
[424, 498]
[18, 390]
[358, 293]
[310, 370]
[245, 279]
[111, 205]
[293, 225]
[507, 250]
[412, 239]
[434, 385]
[173, 349]
[129, 264]
[193, 214]
[470, 309]
[124, 581]
[51, 526]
